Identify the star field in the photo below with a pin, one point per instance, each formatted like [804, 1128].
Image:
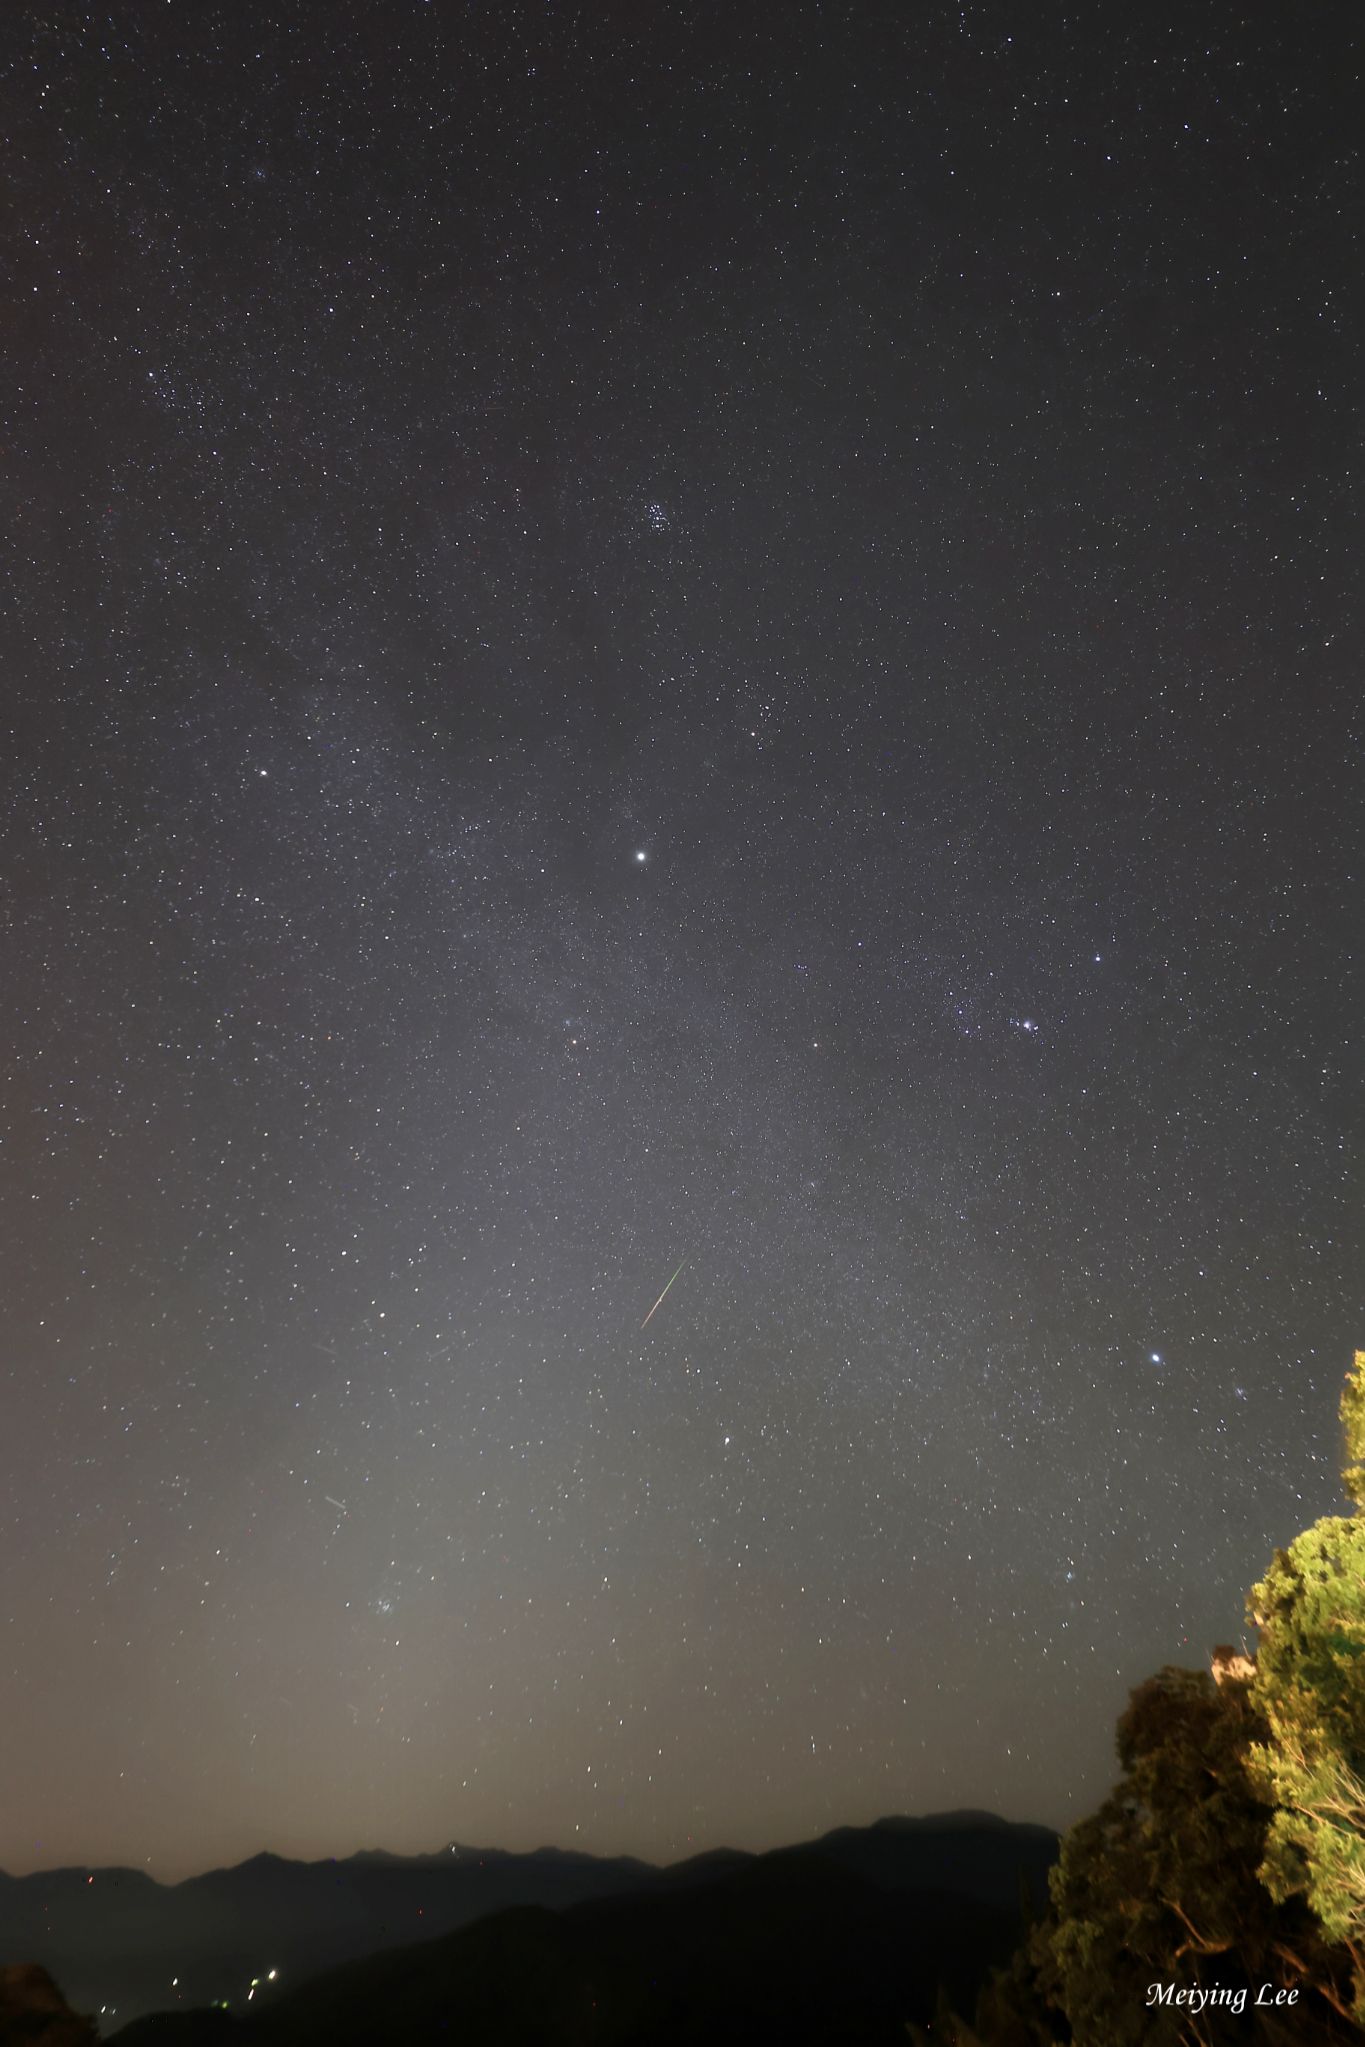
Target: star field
[707, 635]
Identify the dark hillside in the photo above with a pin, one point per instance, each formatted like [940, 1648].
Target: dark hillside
[115, 1939]
[791, 1946]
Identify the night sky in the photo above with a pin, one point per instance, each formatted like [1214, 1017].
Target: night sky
[636, 636]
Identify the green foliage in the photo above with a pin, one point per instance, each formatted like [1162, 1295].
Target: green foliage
[1160, 1884]
[1232, 1852]
[1353, 1432]
[1310, 1690]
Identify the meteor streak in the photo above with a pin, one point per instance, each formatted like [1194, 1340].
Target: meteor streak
[657, 1304]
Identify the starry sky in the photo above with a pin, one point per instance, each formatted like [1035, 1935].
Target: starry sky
[701, 636]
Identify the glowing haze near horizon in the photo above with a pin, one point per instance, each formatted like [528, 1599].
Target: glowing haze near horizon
[723, 637]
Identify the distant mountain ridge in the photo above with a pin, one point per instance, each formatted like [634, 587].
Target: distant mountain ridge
[117, 1939]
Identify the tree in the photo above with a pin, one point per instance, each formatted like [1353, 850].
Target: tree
[1232, 1852]
[1353, 1432]
[1310, 1690]
[1161, 1886]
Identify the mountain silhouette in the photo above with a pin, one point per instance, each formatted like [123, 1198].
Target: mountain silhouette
[861, 1924]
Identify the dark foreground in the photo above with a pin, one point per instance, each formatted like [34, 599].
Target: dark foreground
[841, 1940]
